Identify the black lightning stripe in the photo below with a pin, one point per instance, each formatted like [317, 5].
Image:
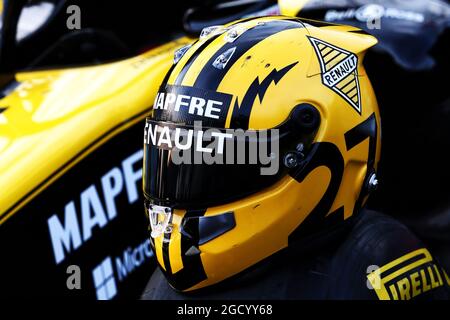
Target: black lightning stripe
[210, 77]
[241, 114]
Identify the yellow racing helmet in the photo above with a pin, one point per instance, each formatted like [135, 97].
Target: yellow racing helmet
[264, 133]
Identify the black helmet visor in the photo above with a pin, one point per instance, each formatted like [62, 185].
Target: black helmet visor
[189, 166]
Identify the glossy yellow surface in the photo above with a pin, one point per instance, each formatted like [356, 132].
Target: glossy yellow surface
[265, 220]
[56, 116]
[291, 7]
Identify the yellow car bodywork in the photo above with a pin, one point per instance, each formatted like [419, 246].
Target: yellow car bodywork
[52, 119]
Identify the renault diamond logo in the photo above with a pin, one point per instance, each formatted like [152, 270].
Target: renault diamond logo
[339, 71]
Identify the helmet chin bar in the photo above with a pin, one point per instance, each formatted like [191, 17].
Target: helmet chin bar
[159, 220]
